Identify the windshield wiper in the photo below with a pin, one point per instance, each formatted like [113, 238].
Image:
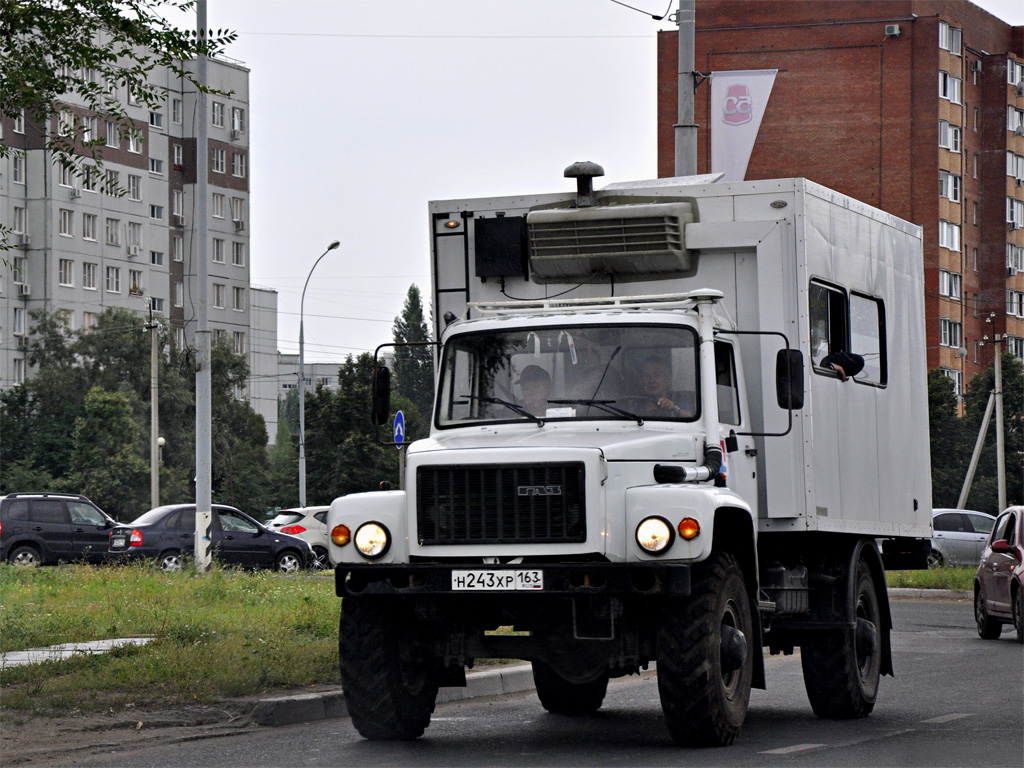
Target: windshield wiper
[511, 406]
[604, 405]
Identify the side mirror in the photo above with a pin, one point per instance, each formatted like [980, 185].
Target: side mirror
[1001, 546]
[381, 407]
[789, 379]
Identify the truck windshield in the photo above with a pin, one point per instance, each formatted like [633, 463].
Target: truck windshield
[609, 372]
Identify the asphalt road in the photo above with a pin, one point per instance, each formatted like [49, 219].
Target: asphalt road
[956, 700]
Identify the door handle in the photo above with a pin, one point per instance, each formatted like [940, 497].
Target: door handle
[38, 528]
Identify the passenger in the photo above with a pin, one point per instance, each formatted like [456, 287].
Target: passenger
[655, 385]
[846, 364]
[535, 384]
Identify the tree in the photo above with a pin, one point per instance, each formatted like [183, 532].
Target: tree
[50, 48]
[949, 450]
[104, 461]
[414, 366]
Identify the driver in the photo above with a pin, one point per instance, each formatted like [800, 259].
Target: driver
[535, 384]
[655, 385]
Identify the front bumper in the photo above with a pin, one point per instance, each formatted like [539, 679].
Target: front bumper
[564, 579]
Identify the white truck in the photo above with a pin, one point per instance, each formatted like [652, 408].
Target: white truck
[638, 453]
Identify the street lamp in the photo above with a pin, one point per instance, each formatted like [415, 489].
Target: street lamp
[302, 382]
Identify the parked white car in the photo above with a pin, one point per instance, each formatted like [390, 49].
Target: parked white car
[958, 536]
[309, 523]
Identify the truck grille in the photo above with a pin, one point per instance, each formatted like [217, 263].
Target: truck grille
[487, 504]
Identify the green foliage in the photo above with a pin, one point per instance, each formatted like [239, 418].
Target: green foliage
[38, 419]
[414, 366]
[948, 577]
[950, 451]
[105, 463]
[227, 633]
[53, 48]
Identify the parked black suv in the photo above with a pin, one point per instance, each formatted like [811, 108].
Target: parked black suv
[40, 528]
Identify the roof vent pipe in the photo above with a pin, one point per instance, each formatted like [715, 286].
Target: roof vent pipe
[584, 173]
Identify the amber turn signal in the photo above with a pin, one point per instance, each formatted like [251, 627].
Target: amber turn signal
[341, 535]
[689, 528]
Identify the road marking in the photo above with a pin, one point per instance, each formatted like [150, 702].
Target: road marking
[794, 748]
[947, 718]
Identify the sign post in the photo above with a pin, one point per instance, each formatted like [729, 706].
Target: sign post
[399, 434]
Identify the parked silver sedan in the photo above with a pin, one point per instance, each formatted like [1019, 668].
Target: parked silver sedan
[959, 536]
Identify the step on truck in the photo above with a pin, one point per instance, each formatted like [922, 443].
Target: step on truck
[676, 421]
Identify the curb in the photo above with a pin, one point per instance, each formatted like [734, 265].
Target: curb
[326, 705]
[330, 703]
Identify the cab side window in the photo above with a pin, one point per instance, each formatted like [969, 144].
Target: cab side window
[725, 379]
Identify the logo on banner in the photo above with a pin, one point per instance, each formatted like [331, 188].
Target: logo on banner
[737, 106]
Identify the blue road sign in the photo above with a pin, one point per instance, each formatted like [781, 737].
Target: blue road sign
[399, 428]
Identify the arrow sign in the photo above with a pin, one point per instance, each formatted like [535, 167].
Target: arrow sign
[399, 428]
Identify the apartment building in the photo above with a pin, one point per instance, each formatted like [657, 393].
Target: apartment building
[913, 106]
[78, 250]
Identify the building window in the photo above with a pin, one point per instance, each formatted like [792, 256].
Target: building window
[238, 164]
[177, 248]
[950, 87]
[65, 123]
[218, 296]
[950, 38]
[238, 211]
[217, 114]
[975, 165]
[949, 136]
[178, 156]
[90, 128]
[156, 166]
[949, 235]
[177, 202]
[134, 187]
[238, 298]
[135, 143]
[1015, 167]
[111, 181]
[950, 284]
[156, 304]
[218, 205]
[1015, 303]
[89, 226]
[89, 178]
[66, 176]
[18, 169]
[1014, 118]
[113, 284]
[19, 122]
[156, 258]
[1014, 259]
[958, 380]
[156, 212]
[113, 135]
[237, 119]
[218, 251]
[219, 163]
[1014, 71]
[19, 321]
[974, 213]
[156, 119]
[88, 321]
[949, 186]
[113, 231]
[134, 235]
[18, 270]
[67, 223]
[179, 337]
[20, 224]
[179, 294]
[18, 374]
[1015, 213]
[949, 333]
[975, 257]
[239, 342]
[176, 111]
[975, 118]
[238, 254]
[135, 286]
[66, 269]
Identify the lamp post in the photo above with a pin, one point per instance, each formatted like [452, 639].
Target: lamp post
[302, 381]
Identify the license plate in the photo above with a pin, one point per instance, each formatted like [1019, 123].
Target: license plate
[496, 581]
[118, 541]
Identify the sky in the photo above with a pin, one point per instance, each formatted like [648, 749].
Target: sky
[362, 111]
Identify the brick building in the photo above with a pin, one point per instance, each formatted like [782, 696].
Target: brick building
[914, 106]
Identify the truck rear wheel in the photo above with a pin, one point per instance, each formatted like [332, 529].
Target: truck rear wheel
[388, 671]
[841, 669]
[705, 656]
[563, 697]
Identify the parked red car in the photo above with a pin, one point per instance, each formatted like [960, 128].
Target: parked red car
[999, 582]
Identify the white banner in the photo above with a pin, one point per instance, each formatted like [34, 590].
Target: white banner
[738, 101]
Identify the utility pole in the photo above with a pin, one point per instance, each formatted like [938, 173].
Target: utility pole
[686, 129]
[204, 385]
[1000, 448]
[154, 415]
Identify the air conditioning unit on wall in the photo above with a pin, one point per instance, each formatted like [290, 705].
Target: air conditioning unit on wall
[892, 30]
[24, 290]
[976, 66]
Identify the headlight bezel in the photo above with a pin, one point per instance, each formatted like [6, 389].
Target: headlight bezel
[383, 530]
[669, 535]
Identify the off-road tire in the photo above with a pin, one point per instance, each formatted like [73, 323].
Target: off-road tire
[702, 705]
[562, 697]
[841, 678]
[24, 555]
[388, 671]
[988, 628]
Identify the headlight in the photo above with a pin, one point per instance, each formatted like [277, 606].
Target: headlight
[654, 535]
[341, 535]
[372, 540]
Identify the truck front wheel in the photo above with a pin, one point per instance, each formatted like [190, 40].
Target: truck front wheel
[705, 656]
[388, 671]
[841, 669]
[563, 697]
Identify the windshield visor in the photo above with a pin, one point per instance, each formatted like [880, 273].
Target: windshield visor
[592, 372]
